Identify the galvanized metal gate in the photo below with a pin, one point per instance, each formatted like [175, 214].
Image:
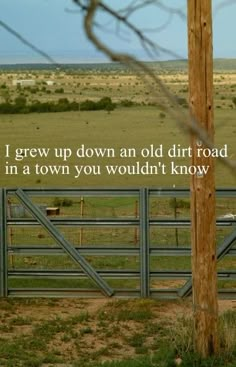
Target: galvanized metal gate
[144, 251]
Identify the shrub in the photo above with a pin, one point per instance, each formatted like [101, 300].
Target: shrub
[126, 103]
[63, 104]
[62, 202]
[20, 101]
[88, 105]
[59, 90]
[105, 103]
[6, 108]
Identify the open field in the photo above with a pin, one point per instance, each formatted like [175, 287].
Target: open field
[119, 83]
[136, 127]
[72, 333]
[146, 122]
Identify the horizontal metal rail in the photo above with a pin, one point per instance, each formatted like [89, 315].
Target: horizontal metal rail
[105, 251]
[118, 222]
[158, 293]
[142, 222]
[111, 192]
[111, 273]
[72, 192]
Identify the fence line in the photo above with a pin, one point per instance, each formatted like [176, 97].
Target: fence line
[63, 269]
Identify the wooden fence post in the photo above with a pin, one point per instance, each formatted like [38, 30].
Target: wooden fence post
[205, 304]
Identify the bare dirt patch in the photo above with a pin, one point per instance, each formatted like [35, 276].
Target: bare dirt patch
[62, 331]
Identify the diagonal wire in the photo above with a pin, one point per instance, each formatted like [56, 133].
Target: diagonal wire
[27, 43]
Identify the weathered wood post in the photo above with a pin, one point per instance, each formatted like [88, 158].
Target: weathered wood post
[205, 305]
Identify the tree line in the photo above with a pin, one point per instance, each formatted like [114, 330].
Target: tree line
[20, 106]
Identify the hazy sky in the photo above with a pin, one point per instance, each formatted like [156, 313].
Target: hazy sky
[51, 27]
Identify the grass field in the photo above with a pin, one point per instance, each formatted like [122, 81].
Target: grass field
[140, 126]
[137, 127]
[136, 333]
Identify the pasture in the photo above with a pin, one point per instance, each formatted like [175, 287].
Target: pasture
[59, 332]
[136, 127]
[143, 123]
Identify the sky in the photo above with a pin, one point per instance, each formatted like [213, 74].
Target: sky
[56, 27]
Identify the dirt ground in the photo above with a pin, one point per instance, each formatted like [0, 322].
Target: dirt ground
[44, 308]
[62, 332]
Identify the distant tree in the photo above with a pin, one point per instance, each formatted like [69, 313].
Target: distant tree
[5, 94]
[20, 101]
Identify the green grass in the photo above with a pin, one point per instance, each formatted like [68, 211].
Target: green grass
[118, 333]
[165, 358]
[122, 311]
[137, 127]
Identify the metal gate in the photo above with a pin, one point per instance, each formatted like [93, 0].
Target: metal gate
[148, 274]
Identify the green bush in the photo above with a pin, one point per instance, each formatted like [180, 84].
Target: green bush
[63, 104]
[105, 103]
[20, 101]
[59, 90]
[62, 202]
[88, 105]
[126, 103]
